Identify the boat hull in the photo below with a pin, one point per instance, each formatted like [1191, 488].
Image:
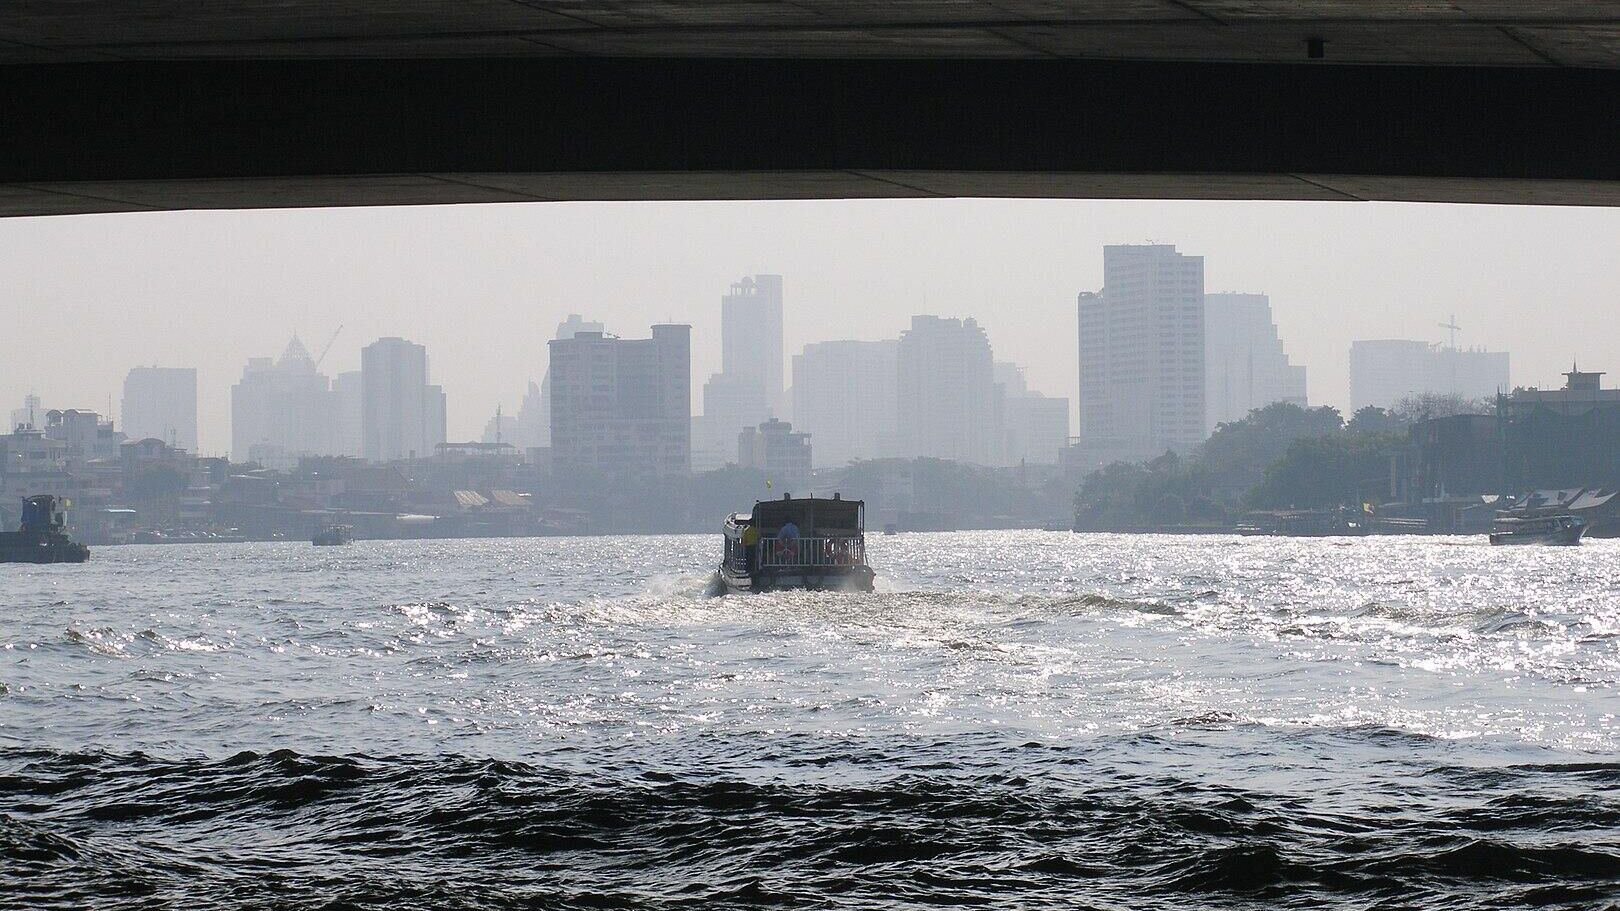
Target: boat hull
[44, 553]
[1563, 537]
[804, 578]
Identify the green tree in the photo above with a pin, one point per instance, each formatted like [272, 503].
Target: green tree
[1373, 419]
[1235, 456]
[1326, 471]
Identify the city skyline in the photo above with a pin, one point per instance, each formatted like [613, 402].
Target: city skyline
[1333, 274]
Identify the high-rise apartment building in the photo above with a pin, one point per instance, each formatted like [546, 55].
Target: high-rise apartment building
[946, 400]
[1385, 371]
[1245, 366]
[844, 396]
[1142, 354]
[534, 416]
[402, 415]
[622, 407]
[748, 388]
[281, 409]
[161, 403]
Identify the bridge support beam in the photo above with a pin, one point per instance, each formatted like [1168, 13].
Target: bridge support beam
[226, 134]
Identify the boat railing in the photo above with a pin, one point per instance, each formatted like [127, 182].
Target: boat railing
[847, 550]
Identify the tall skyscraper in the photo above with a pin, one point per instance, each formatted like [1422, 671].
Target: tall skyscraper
[748, 389]
[947, 401]
[1384, 371]
[402, 416]
[844, 396]
[281, 409]
[622, 407]
[348, 391]
[1142, 354]
[1245, 366]
[161, 403]
[534, 417]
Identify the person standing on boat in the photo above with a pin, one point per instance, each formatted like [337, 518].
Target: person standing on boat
[750, 543]
[787, 543]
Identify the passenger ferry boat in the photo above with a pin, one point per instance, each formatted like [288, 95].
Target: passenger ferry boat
[811, 543]
[1561, 529]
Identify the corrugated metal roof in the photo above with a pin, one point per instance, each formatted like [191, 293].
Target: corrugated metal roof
[470, 499]
[508, 498]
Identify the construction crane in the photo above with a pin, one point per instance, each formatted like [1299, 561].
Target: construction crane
[328, 347]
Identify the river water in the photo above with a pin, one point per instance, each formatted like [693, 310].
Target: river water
[1015, 719]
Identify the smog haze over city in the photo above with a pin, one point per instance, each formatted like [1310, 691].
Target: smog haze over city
[1139, 555]
[484, 287]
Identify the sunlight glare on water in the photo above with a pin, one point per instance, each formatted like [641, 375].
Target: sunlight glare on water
[1128, 719]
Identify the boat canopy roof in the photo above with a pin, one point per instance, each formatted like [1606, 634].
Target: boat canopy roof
[815, 516]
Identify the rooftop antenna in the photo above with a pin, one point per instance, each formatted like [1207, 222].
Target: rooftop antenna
[1452, 325]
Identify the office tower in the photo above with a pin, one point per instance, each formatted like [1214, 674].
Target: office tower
[1037, 426]
[784, 456]
[1245, 366]
[348, 392]
[402, 416]
[281, 409]
[161, 403]
[748, 388]
[1142, 354]
[1385, 371]
[534, 416]
[947, 401]
[844, 396]
[622, 407]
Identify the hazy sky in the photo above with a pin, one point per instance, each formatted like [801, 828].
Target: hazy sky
[87, 297]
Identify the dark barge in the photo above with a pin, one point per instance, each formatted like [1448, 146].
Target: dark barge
[42, 537]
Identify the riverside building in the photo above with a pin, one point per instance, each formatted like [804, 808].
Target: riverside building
[622, 407]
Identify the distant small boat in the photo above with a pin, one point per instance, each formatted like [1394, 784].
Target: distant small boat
[42, 537]
[1562, 529]
[333, 535]
[890, 528]
[809, 543]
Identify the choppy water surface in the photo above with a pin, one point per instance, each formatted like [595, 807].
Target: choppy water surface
[1014, 720]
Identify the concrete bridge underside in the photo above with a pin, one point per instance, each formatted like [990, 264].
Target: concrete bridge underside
[265, 104]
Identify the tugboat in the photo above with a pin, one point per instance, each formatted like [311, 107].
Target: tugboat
[42, 537]
[333, 535]
[809, 543]
[1562, 529]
